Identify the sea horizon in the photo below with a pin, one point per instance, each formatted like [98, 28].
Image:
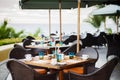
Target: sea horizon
[44, 28]
[31, 28]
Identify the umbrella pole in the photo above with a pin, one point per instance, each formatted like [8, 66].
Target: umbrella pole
[60, 20]
[117, 23]
[105, 24]
[49, 23]
[78, 27]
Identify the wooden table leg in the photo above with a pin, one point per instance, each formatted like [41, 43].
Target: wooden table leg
[60, 75]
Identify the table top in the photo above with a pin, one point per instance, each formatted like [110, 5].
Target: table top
[66, 63]
[45, 46]
[37, 40]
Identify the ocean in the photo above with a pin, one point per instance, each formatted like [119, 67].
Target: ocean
[44, 28]
[31, 28]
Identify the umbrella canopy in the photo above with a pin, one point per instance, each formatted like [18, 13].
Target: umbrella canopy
[66, 4]
[109, 10]
[47, 4]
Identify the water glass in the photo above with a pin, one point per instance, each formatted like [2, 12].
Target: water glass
[59, 57]
[42, 42]
[61, 43]
[41, 55]
[71, 55]
[50, 43]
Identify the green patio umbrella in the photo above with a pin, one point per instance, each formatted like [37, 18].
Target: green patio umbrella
[109, 10]
[64, 4]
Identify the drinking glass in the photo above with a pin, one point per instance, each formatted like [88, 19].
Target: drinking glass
[41, 55]
[59, 57]
[71, 55]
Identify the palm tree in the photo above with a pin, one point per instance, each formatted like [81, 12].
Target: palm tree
[7, 32]
[95, 20]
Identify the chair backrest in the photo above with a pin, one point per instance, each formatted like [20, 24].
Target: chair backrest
[106, 70]
[72, 48]
[21, 71]
[113, 44]
[102, 73]
[87, 41]
[71, 38]
[17, 45]
[30, 37]
[3, 70]
[26, 42]
[93, 53]
[17, 53]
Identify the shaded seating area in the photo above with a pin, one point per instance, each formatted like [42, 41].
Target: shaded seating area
[21, 71]
[103, 72]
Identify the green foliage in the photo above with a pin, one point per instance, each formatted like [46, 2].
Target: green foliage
[95, 20]
[108, 30]
[36, 34]
[9, 36]
[8, 32]
[10, 41]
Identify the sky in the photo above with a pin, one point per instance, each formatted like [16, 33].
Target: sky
[10, 10]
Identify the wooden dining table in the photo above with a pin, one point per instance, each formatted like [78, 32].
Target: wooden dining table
[47, 48]
[60, 66]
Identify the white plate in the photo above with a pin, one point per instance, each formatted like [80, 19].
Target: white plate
[84, 58]
[61, 63]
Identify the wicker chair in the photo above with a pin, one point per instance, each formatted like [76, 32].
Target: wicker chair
[87, 41]
[26, 42]
[21, 71]
[17, 53]
[93, 53]
[102, 73]
[113, 44]
[72, 48]
[30, 37]
[71, 38]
